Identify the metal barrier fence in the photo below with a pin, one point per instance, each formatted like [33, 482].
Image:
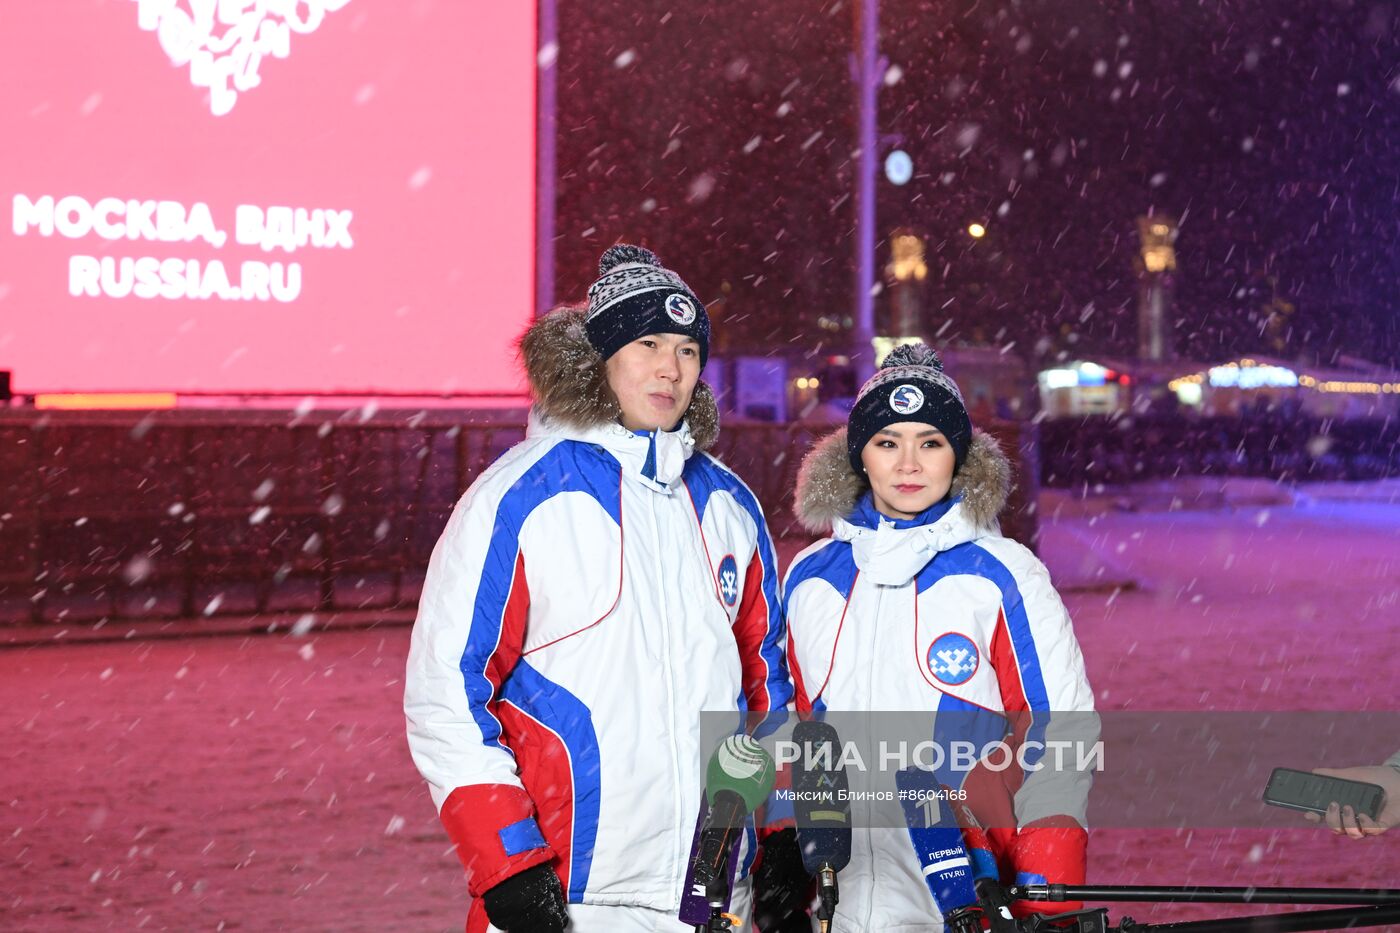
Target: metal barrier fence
[181, 514]
[1116, 450]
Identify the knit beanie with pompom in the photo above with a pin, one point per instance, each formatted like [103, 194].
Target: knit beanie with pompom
[909, 386]
[635, 296]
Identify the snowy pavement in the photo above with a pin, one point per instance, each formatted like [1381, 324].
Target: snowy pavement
[1251, 608]
[263, 782]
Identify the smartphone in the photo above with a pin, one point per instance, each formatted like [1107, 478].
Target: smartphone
[1303, 790]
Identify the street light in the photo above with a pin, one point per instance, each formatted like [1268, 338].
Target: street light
[868, 69]
[976, 231]
[899, 167]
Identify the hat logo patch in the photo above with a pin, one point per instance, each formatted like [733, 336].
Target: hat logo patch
[907, 399]
[952, 658]
[680, 309]
[728, 579]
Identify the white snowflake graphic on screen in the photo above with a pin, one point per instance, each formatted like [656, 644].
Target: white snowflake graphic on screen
[225, 41]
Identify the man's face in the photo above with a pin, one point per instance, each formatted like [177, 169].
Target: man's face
[653, 378]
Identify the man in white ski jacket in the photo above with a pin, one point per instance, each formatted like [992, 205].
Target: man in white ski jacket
[599, 586]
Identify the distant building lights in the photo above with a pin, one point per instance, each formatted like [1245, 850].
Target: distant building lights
[1250, 376]
[1188, 393]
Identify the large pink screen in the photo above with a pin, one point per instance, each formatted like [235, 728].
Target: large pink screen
[326, 195]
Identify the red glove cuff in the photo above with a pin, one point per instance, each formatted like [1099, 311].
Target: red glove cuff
[493, 826]
[1049, 851]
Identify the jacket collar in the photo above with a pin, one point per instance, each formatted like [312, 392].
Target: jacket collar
[866, 515]
[891, 552]
[656, 459]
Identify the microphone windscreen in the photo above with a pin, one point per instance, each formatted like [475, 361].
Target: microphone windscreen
[741, 766]
[937, 840]
[820, 802]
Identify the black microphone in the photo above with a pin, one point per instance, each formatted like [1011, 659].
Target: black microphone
[738, 779]
[823, 810]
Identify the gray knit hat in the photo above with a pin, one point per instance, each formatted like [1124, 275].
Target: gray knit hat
[635, 296]
[909, 386]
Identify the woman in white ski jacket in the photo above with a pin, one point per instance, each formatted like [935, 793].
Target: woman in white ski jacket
[599, 586]
[915, 601]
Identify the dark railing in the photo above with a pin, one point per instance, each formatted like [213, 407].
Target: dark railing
[1115, 450]
[181, 514]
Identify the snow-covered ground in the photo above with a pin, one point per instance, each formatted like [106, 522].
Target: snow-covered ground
[1251, 607]
[263, 782]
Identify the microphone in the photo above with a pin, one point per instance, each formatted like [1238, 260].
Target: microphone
[938, 843]
[823, 811]
[738, 779]
[996, 905]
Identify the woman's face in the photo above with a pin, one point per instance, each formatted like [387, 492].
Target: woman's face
[910, 466]
[653, 378]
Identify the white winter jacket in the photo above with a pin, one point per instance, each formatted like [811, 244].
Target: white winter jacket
[594, 591]
[940, 613]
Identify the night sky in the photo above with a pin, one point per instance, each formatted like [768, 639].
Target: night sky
[721, 133]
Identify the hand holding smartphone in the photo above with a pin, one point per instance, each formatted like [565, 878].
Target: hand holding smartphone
[1313, 793]
[1351, 801]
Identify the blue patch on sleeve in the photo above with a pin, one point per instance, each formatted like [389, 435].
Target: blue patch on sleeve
[522, 837]
[984, 865]
[1030, 877]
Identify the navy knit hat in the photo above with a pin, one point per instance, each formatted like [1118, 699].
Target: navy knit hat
[909, 386]
[635, 296]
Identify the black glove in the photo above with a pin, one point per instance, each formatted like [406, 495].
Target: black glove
[530, 902]
[781, 886]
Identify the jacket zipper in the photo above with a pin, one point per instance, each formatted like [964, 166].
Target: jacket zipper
[870, 644]
[677, 879]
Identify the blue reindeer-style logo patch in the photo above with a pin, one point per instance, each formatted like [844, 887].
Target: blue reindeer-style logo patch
[952, 658]
[728, 579]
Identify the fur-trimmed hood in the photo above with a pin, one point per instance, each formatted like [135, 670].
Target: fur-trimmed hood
[828, 489]
[570, 384]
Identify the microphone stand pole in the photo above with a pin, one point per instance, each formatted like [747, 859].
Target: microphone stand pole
[830, 896]
[1204, 894]
[1382, 907]
[716, 893]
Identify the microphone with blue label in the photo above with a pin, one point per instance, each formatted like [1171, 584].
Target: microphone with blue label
[938, 843]
[822, 806]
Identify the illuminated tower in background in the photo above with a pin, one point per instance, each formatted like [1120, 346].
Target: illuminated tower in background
[1156, 268]
[906, 273]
